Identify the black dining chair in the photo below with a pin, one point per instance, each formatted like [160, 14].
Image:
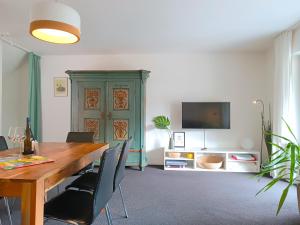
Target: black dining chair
[82, 137]
[3, 143]
[88, 180]
[83, 207]
[79, 137]
[3, 147]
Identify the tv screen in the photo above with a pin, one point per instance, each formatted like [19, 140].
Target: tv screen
[206, 115]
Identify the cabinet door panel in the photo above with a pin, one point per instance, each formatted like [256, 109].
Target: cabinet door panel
[133, 158]
[91, 108]
[121, 111]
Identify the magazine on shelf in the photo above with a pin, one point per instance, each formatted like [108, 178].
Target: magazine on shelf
[245, 157]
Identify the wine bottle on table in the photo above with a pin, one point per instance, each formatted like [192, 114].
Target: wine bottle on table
[27, 141]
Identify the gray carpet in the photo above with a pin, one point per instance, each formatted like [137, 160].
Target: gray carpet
[157, 197]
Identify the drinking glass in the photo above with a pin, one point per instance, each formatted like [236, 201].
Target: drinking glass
[12, 135]
[20, 137]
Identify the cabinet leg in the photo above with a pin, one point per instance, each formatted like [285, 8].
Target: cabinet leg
[142, 168]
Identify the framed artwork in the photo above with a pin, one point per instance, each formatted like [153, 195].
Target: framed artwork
[179, 139]
[60, 86]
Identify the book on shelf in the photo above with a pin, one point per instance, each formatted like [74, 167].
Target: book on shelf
[245, 157]
[175, 166]
[176, 162]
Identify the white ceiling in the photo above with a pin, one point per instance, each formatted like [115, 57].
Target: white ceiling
[160, 26]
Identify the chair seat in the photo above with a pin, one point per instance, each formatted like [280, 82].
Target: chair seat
[86, 182]
[71, 206]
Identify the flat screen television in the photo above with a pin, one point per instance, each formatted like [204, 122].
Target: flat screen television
[206, 115]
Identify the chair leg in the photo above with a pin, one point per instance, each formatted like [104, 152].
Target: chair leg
[124, 206]
[12, 205]
[108, 209]
[108, 217]
[8, 210]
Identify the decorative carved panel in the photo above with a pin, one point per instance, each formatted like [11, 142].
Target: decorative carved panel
[120, 96]
[92, 97]
[92, 125]
[120, 129]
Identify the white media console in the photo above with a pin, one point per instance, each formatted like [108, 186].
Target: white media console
[189, 156]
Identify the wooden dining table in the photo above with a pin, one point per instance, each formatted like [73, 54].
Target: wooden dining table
[31, 183]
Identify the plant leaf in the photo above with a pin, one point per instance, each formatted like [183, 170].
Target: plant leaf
[289, 128]
[263, 172]
[293, 164]
[282, 198]
[284, 138]
[277, 146]
[269, 185]
[280, 160]
[161, 122]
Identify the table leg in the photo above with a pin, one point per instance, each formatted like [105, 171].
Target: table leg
[32, 203]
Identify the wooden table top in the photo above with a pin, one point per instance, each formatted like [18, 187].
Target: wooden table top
[63, 155]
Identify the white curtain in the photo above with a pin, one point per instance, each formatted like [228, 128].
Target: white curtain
[283, 86]
[295, 96]
[283, 83]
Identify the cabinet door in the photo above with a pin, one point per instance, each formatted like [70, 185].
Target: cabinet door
[121, 111]
[91, 108]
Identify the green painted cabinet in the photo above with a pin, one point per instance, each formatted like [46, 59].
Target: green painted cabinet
[111, 104]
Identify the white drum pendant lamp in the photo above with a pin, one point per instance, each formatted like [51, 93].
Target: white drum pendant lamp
[55, 22]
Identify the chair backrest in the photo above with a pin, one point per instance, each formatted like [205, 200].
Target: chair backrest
[120, 170]
[104, 187]
[3, 144]
[80, 137]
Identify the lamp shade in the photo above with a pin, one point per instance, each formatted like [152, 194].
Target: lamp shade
[55, 22]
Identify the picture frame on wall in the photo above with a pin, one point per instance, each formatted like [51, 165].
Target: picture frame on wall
[60, 86]
[179, 139]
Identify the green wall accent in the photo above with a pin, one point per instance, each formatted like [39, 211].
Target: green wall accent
[34, 107]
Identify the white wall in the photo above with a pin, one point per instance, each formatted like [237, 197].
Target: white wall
[1, 92]
[14, 87]
[239, 78]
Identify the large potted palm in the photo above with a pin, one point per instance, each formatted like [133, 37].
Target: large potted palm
[285, 163]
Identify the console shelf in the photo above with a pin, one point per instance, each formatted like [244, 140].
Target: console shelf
[186, 159]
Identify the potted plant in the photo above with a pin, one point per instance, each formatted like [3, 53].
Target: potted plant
[163, 122]
[285, 162]
[268, 138]
[267, 131]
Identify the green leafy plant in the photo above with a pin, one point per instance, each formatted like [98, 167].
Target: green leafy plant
[268, 137]
[163, 122]
[286, 162]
